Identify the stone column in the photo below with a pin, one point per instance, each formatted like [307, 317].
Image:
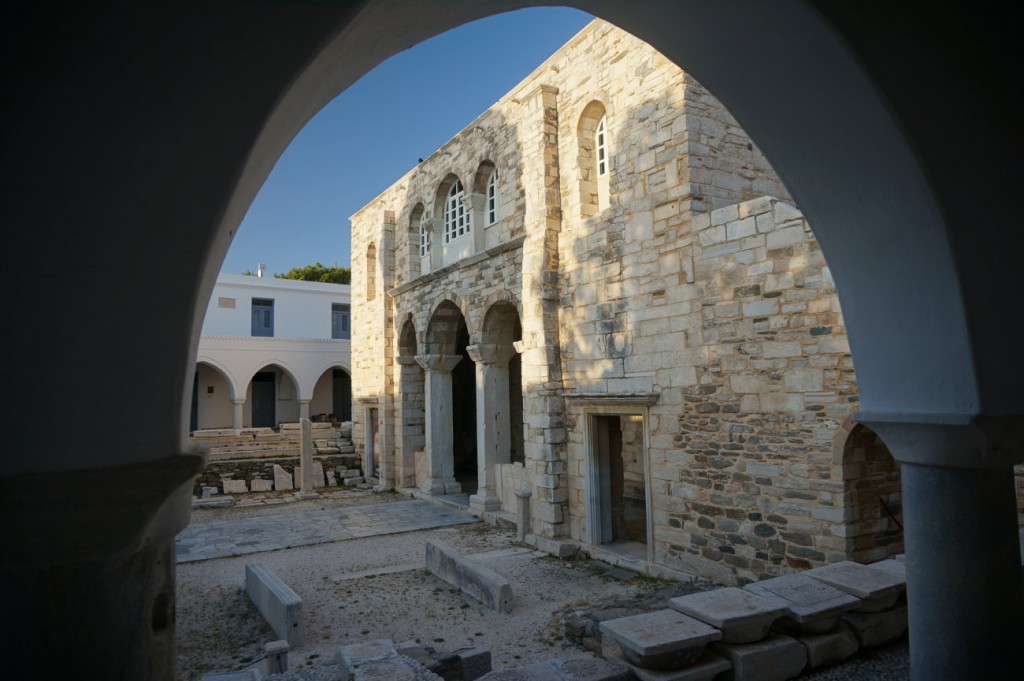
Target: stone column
[409, 421]
[306, 459]
[237, 414]
[964, 587]
[436, 238]
[476, 205]
[303, 410]
[439, 426]
[493, 425]
[87, 570]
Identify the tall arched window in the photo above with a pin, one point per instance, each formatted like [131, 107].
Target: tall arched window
[371, 272]
[456, 219]
[492, 198]
[424, 237]
[601, 147]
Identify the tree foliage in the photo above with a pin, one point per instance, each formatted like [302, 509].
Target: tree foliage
[328, 274]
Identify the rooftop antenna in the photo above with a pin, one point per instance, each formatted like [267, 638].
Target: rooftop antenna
[259, 269]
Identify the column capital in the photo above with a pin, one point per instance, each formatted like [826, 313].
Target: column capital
[441, 363]
[950, 440]
[489, 353]
[406, 360]
[475, 201]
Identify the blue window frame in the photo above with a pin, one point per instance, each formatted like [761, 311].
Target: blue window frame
[340, 324]
[262, 317]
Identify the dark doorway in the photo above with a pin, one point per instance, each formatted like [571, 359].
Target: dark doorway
[264, 398]
[341, 395]
[464, 414]
[618, 447]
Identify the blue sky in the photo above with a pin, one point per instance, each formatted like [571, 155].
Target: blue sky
[374, 132]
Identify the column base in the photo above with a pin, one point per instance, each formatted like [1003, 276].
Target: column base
[436, 487]
[484, 502]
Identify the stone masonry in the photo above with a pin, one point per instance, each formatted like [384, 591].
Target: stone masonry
[646, 273]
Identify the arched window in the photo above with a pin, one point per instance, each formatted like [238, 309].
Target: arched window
[594, 159]
[371, 272]
[424, 237]
[456, 219]
[601, 148]
[492, 198]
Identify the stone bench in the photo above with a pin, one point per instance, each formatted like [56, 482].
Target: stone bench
[280, 606]
[475, 580]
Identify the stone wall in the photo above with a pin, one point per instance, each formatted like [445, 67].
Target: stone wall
[682, 288]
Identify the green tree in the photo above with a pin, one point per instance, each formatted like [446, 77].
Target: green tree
[332, 274]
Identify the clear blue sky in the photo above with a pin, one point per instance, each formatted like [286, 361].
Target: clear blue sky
[374, 132]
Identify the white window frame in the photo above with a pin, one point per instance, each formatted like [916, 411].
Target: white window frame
[456, 217]
[492, 198]
[601, 147]
[424, 237]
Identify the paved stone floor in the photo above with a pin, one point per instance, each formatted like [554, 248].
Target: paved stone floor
[202, 541]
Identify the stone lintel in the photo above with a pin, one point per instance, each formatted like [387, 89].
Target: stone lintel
[439, 363]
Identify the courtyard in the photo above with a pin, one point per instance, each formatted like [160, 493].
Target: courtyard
[361, 588]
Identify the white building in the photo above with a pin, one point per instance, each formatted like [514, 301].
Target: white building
[272, 351]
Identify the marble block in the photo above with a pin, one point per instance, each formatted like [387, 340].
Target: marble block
[814, 607]
[876, 589]
[775, 658]
[707, 668]
[663, 639]
[877, 628]
[892, 566]
[824, 650]
[742, 616]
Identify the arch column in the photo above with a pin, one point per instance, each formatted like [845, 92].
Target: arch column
[963, 558]
[476, 204]
[303, 410]
[409, 420]
[439, 428]
[237, 413]
[493, 422]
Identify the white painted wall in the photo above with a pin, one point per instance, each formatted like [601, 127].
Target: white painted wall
[301, 351]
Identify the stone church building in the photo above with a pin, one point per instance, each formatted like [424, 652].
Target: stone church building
[600, 293]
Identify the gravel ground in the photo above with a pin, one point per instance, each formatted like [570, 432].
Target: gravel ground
[219, 630]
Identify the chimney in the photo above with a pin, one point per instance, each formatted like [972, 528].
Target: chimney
[259, 269]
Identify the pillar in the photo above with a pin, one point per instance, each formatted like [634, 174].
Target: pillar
[87, 568]
[493, 425]
[963, 561]
[303, 409]
[237, 414]
[476, 204]
[439, 426]
[409, 421]
[306, 458]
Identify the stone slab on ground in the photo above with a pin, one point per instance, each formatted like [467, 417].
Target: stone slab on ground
[465, 664]
[245, 675]
[259, 485]
[577, 668]
[280, 606]
[556, 547]
[475, 580]
[663, 639]
[742, 616]
[876, 589]
[775, 658]
[892, 566]
[877, 628]
[213, 502]
[707, 668]
[814, 607]
[824, 650]
[379, 660]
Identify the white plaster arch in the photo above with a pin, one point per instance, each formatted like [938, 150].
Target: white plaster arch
[295, 376]
[216, 364]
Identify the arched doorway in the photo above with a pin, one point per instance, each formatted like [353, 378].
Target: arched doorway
[872, 490]
[271, 398]
[212, 396]
[450, 395]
